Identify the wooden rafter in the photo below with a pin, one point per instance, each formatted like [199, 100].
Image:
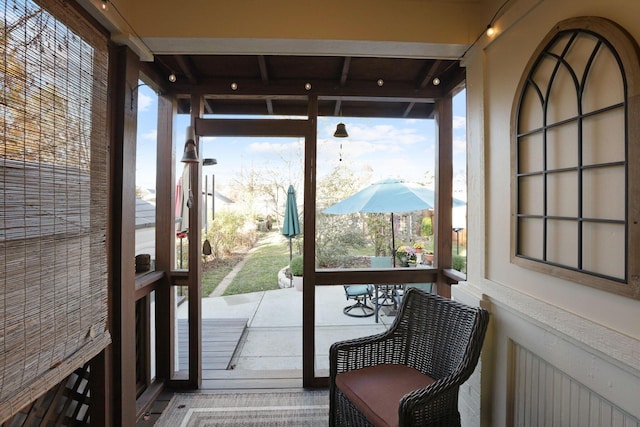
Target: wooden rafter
[264, 75]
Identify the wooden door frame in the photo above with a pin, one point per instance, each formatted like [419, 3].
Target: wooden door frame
[307, 129]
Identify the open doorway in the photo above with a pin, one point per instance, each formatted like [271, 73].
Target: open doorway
[251, 310]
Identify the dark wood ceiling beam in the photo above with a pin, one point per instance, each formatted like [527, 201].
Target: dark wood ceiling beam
[424, 82]
[269, 107]
[158, 82]
[264, 75]
[430, 73]
[455, 81]
[386, 110]
[344, 74]
[255, 127]
[346, 64]
[338, 106]
[208, 108]
[187, 69]
[321, 89]
[342, 97]
[408, 109]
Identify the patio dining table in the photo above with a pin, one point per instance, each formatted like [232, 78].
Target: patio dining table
[385, 293]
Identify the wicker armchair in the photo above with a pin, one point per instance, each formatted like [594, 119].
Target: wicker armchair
[409, 375]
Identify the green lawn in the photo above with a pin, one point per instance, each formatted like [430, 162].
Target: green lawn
[260, 273]
[215, 270]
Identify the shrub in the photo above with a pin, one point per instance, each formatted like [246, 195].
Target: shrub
[426, 228]
[228, 231]
[379, 228]
[337, 238]
[296, 265]
[459, 262]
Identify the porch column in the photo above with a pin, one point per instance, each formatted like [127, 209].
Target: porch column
[124, 76]
[444, 193]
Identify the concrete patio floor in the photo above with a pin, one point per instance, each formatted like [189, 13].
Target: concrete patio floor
[273, 338]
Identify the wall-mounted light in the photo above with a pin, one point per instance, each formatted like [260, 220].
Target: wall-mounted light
[435, 81]
[307, 86]
[490, 30]
[190, 154]
[133, 93]
[380, 82]
[104, 5]
[234, 86]
[172, 78]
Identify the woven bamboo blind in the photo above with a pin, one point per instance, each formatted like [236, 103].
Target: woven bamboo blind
[53, 203]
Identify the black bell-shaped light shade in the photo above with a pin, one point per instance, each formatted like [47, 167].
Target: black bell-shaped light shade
[341, 131]
[190, 154]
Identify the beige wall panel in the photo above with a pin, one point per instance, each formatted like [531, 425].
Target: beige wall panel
[496, 74]
[531, 157]
[608, 127]
[562, 146]
[397, 20]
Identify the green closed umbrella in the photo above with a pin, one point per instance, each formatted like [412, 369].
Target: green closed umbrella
[291, 223]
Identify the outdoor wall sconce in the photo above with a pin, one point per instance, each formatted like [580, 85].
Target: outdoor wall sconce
[341, 131]
[190, 154]
[133, 92]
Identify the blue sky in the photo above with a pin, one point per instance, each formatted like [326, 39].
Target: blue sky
[399, 148]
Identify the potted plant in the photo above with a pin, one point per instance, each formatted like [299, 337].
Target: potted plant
[405, 255]
[428, 257]
[418, 246]
[296, 269]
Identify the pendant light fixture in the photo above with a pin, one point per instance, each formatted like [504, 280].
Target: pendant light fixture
[190, 154]
[341, 131]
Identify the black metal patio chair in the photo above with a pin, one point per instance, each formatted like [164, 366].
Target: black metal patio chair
[361, 294]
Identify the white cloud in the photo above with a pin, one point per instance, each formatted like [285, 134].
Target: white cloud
[270, 147]
[386, 135]
[144, 101]
[459, 145]
[152, 135]
[459, 122]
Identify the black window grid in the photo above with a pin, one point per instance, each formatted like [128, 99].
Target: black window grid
[545, 172]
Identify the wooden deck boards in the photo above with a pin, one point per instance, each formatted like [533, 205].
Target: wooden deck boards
[220, 338]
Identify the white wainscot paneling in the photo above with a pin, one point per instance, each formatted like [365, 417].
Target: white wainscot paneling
[546, 396]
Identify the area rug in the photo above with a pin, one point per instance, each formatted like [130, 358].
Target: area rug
[256, 409]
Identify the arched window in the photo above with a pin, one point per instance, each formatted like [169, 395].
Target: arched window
[575, 157]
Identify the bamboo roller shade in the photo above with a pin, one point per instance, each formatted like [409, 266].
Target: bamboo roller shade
[53, 217]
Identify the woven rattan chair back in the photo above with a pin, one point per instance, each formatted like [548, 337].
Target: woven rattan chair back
[439, 332]
[439, 337]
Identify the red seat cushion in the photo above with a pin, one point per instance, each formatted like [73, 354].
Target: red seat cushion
[376, 390]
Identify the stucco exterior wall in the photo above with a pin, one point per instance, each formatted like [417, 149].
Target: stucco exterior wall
[533, 313]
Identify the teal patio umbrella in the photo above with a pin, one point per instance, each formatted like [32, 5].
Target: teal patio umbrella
[388, 196]
[291, 223]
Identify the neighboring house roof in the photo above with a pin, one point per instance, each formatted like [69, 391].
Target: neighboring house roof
[223, 199]
[146, 211]
[145, 214]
